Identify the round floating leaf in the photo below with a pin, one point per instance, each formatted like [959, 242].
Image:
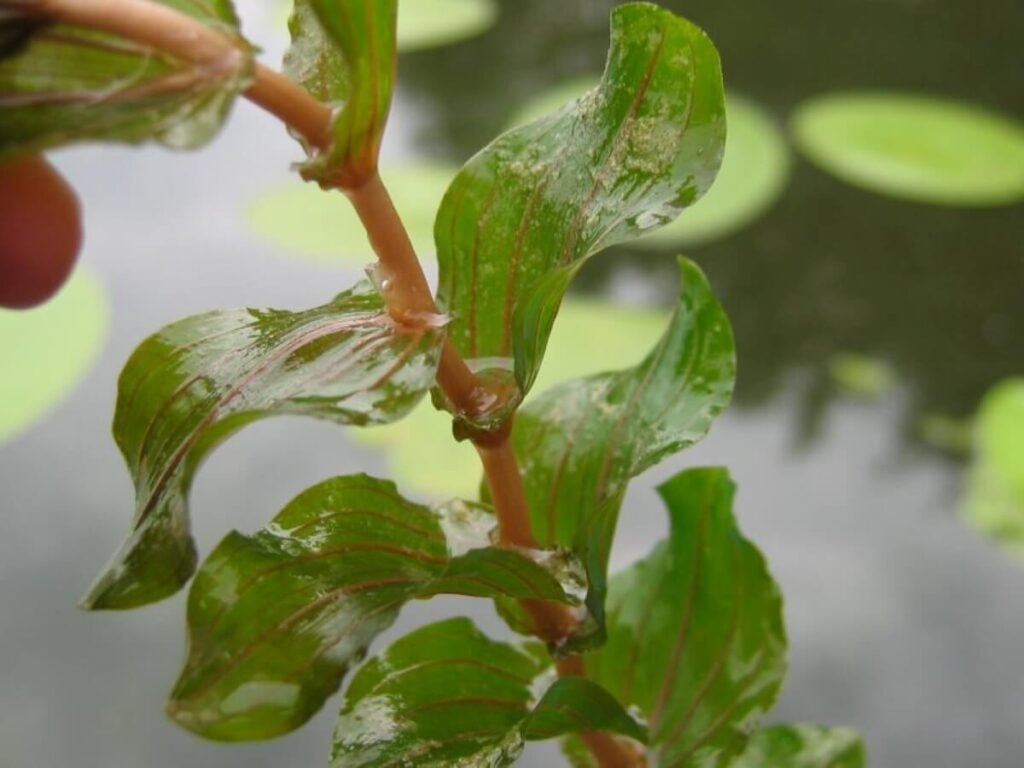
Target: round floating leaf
[434, 23]
[754, 169]
[304, 220]
[48, 350]
[915, 147]
[994, 502]
[590, 336]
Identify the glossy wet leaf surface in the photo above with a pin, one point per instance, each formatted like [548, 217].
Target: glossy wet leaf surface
[302, 220]
[915, 147]
[47, 351]
[581, 442]
[803, 746]
[754, 172]
[525, 213]
[276, 619]
[197, 381]
[695, 632]
[994, 494]
[755, 168]
[343, 52]
[447, 695]
[63, 84]
[590, 336]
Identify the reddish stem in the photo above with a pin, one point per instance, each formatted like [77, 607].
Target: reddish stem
[407, 294]
[609, 751]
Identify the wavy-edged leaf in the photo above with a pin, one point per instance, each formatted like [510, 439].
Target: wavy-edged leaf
[343, 52]
[197, 381]
[446, 695]
[61, 83]
[695, 631]
[803, 746]
[581, 442]
[574, 704]
[524, 214]
[276, 618]
[754, 171]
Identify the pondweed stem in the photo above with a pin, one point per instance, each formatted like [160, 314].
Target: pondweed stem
[405, 290]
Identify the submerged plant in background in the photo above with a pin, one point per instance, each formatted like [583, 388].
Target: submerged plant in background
[671, 662]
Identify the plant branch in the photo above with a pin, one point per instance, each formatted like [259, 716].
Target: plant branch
[402, 281]
[215, 52]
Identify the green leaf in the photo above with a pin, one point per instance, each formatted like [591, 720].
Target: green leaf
[434, 23]
[590, 336]
[48, 351]
[446, 695]
[581, 442]
[61, 84]
[523, 215]
[343, 52]
[755, 168]
[577, 704]
[276, 619]
[197, 381]
[300, 219]
[915, 147]
[994, 495]
[803, 746]
[695, 631]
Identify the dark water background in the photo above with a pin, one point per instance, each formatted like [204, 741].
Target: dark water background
[902, 622]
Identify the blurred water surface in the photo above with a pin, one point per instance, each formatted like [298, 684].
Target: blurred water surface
[902, 622]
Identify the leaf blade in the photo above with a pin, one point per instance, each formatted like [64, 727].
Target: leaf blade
[344, 52]
[581, 442]
[60, 83]
[447, 695]
[277, 618]
[704, 668]
[655, 130]
[194, 383]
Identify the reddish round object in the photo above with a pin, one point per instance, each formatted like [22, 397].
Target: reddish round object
[40, 231]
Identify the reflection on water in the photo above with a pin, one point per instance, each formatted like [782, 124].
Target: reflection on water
[902, 622]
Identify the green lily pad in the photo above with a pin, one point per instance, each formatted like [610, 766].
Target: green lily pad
[994, 499]
[590, 336]
[424, 24]
[48, 351]
[434, 23]
[755, 169]
[304, 220]
[915, 147]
